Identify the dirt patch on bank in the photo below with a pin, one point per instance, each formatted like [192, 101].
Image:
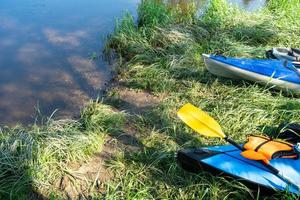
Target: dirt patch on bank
[132, 101]
[83, 179]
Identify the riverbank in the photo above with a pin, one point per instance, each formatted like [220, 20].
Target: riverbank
[162, 56]
[58, 158]
[136, 127]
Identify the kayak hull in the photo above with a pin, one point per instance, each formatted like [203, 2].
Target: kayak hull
[220, 67]
[227, 159]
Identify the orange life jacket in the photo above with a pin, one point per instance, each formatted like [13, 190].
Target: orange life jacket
[270, 148]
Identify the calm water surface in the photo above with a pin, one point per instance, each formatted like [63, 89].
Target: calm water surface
[45, 54]
[250, 5]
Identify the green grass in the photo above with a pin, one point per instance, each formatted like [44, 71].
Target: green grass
[162, 54]
[33, 161]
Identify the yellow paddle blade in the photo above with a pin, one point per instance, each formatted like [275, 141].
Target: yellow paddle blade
[253, 155]
[200, 121]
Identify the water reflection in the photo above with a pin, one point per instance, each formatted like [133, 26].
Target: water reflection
[64, 39]
[249, 5]
[44, 54]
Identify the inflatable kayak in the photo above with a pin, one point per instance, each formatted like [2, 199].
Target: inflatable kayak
[227, 159]
[278, 73]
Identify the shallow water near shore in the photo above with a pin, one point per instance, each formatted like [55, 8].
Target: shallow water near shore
[249, 5]
[50, 54]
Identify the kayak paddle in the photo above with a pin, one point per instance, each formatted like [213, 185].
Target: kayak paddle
[205, 125]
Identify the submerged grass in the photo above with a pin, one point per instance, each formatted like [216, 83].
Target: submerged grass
[162, 54]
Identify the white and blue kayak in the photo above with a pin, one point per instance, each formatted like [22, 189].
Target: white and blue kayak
[277, 73]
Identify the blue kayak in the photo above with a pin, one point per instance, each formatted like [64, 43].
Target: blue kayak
[277, 73]
[227, 159]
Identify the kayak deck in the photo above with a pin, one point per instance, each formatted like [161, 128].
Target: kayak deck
[270, 72]
[227, 159]
[266, 67]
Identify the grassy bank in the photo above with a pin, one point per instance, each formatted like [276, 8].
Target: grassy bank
[35, 160]
[160, 70]
[161, 54]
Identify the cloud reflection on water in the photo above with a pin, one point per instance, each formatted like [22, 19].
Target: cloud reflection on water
[45, 79]
[44, 55]
[71, 39]
[7, 23]
[32, 54]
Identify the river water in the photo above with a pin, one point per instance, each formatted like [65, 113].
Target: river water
[249, 5]
[47, 51]
[46, 54]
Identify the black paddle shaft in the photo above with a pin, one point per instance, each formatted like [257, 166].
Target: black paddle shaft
[234, 143]
[271, 168]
